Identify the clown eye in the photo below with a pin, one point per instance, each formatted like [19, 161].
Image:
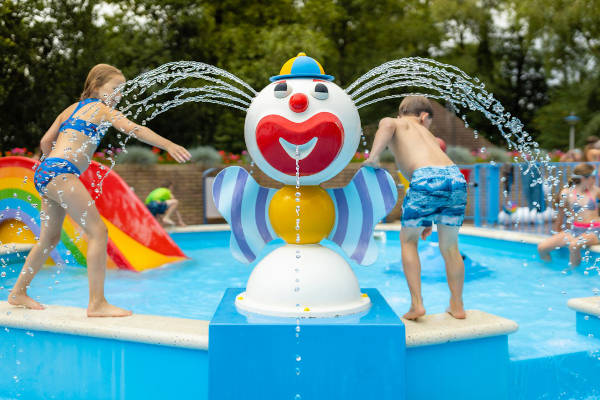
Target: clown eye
[320, 92]
[282, 90]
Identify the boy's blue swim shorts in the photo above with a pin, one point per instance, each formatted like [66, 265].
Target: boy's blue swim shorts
[436, 194]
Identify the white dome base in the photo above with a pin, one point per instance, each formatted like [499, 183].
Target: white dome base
[318, 283]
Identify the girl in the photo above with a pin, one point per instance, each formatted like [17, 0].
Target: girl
[67, 148]
[579, 203]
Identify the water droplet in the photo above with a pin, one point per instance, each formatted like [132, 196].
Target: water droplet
[298, 358]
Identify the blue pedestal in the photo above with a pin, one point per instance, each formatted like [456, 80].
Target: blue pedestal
[353, 357]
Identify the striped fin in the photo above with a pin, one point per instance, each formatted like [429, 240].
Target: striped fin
[370, 196]
[245, 206]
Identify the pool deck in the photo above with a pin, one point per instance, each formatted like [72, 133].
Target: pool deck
[150, 329]
[193, 334]
[587, 305]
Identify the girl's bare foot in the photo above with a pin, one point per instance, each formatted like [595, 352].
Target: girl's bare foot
[24, 301]
[415, 312]
[104, 309]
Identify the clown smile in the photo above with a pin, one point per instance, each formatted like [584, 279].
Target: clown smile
[316, 142]
[298, 151]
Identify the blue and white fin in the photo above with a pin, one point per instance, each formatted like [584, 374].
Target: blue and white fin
[367, 199]
[245, 206]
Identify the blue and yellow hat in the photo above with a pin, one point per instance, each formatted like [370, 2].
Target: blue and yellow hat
[301, 66]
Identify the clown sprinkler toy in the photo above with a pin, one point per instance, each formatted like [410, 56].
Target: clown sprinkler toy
[301, 130]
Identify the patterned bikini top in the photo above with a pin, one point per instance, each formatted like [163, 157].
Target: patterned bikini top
[591, 204]
[95, 132]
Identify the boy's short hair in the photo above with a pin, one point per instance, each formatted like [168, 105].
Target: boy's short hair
[415, 105]
[167, 184]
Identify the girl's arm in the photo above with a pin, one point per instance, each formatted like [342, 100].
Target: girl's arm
[561, 210]
[50, 136]
[146, 135]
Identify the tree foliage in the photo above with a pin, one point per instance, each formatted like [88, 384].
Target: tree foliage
[540, 59]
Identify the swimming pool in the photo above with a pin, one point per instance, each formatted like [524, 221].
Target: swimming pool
[503, 278]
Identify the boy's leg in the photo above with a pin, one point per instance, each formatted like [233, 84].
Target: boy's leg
[51, 224]
[409, 240]
[171, 207]
[179, 219]
[560, 239]
[455, 268]
[77, 207]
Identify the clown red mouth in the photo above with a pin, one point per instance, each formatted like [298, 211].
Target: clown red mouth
[315, 142]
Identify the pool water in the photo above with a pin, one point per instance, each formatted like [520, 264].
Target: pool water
[503, 278]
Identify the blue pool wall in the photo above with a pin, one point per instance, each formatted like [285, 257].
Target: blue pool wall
[62, 366]
[469, 369]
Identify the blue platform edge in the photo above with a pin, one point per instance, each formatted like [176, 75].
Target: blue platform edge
[587, 324]
[352, 357]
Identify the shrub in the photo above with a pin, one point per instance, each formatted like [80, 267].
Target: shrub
[460, 155]
[206, 156]
[497, 154]
[136, 155]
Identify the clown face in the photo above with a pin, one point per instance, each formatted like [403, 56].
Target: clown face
[310, 120]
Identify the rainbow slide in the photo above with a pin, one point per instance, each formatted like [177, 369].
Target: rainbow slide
[136, 241]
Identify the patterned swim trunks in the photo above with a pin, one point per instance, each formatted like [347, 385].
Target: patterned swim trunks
[436, 194]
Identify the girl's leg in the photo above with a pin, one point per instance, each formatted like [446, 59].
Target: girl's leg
[51, 221]
[560, 239]
[409, 240]
[67, 189]
[585, 240]
[455, 268]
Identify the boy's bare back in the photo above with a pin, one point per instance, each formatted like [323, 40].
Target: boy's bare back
[413, 145]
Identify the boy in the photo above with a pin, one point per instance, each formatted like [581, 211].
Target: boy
[438, 193]
[161, 201]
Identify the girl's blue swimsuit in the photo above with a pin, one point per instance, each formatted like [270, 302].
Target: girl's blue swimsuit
[54, 166]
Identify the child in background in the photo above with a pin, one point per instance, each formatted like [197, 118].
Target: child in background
[161, 201]
[577, 225]
[437, 193]
[68, 147]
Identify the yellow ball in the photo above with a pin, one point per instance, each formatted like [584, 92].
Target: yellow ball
[316, 214]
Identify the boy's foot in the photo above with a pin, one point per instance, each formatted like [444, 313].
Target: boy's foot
[24, 301]
[545, 256]
[457, 311]
[168, 221]
[104, 309]
[414, 312]
[181, 224]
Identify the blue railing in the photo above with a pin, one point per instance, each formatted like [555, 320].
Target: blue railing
[490, 188]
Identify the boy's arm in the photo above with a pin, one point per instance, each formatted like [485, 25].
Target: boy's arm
[146, 135]
[383, 136]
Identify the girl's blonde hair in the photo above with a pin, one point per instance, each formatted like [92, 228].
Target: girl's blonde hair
[98, 76]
